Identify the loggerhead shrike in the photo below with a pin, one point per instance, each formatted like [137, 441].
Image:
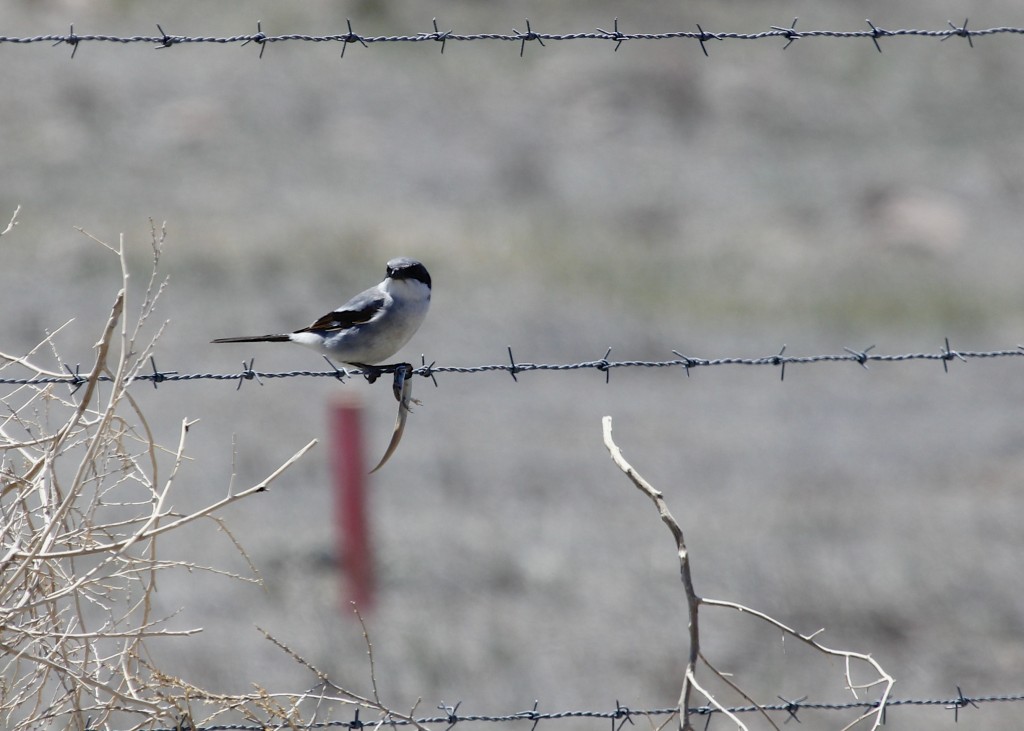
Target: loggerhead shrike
[370, 327]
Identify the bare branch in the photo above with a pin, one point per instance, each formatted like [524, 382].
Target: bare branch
[369, 652]
[12, 223]
[694, 603]
[73, 631]
[373, 704]
[692, 600]
[201, 513]
[883, 678]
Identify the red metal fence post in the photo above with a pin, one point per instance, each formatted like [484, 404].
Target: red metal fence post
[352, 530]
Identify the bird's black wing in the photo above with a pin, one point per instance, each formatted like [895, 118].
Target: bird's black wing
[356, 311]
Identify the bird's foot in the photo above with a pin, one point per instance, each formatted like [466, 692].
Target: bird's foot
[371, 372]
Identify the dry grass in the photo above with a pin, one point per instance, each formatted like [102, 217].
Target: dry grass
[85, 502]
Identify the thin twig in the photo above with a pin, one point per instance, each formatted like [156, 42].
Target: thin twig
[369, 652]
[349, 696]
[174, 525]
[12, 223]
[883, 678]
[692, 600]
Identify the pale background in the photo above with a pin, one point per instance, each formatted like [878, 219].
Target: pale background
[564, 202]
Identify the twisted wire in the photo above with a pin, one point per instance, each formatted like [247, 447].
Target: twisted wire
[430, 370]
[788, 33]
[621, 715]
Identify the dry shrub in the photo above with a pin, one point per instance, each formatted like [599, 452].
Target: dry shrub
[83, 506]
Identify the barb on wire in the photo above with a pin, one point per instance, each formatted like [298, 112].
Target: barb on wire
[75, 379]
[944, 355]
[248, 374]
[529, 35]
[704, 37]
[618, 37]
[260, 38]
[605, 365]
[861, 356]
[948, 355]
[438, 35]
[622, 714]
[876, 33]
[685, 360]
[513, 368]
[351, 37]
[451, 712]
[427, 369]
[166, 41]
[792, 707]
[534, 715]
[71, 40]
[355, 723]
[338, 372]
[960, 702]
[790, 33]
[156, 376]
[787, 32]
[780, 360]
[961, 31]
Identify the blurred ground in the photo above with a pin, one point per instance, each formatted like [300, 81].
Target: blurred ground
[569, 200]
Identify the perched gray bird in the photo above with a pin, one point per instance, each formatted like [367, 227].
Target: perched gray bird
[370, 327]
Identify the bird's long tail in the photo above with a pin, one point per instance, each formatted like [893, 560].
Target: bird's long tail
[254, 339]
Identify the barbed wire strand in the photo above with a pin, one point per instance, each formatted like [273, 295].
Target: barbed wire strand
[623, 714]
[788, 33]
[75, 378]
